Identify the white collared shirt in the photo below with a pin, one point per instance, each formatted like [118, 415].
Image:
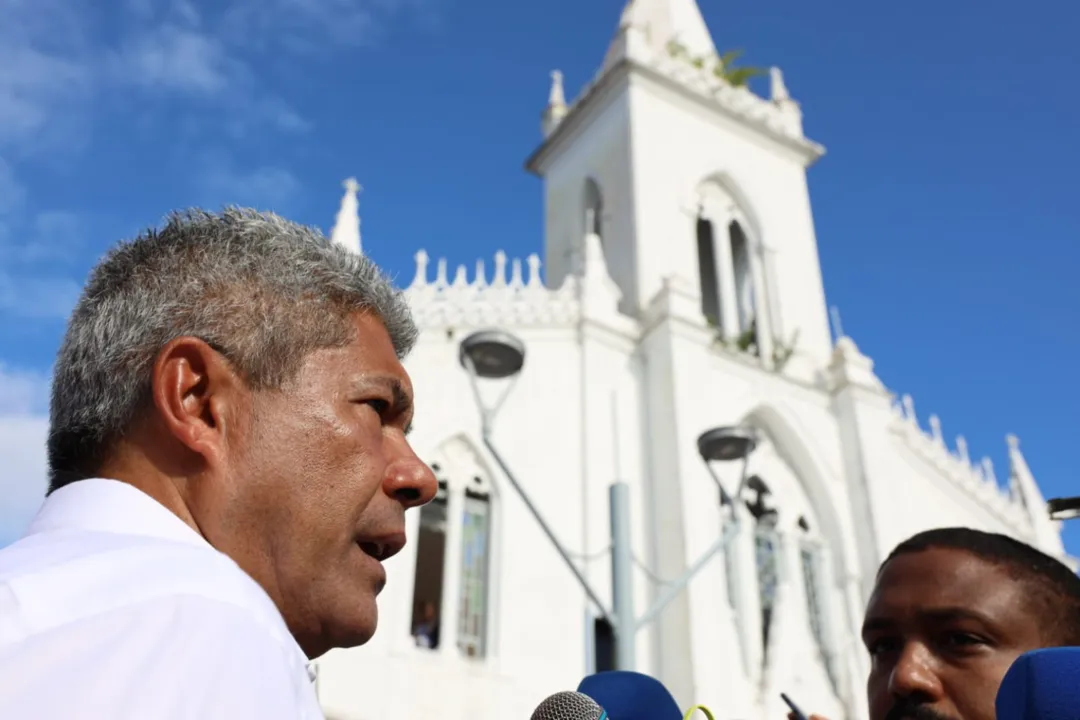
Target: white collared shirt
[112, 607]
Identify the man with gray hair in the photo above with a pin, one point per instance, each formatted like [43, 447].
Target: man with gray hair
[228, 470]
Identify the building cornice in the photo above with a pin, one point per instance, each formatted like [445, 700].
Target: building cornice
[737, 104]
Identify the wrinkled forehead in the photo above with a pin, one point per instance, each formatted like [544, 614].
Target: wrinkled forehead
[930, 582]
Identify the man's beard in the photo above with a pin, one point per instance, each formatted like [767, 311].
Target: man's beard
[912, 710]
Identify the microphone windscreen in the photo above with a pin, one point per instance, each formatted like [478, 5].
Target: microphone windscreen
[1041, 685]
[569, 706]
[629, 695]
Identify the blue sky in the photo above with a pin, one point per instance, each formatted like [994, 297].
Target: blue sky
[942, 206]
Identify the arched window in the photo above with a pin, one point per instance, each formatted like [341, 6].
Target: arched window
[475, 563]
[710, 289]
[430, 561]
[812, 559]
[766, 553]
[728, 269]
[742, 277]
[451, 596]
[594, 209]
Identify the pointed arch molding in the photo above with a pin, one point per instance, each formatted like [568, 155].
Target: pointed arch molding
[461, 458]
[812, 473]
[726, 182]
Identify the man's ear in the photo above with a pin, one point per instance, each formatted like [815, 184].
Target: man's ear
[196, 393]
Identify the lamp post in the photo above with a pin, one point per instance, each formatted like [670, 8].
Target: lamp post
[499, 355]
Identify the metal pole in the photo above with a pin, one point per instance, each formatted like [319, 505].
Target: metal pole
[673, 590]
[548, 531]
[622, 577]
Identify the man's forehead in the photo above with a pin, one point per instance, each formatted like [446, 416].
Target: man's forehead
[373, 347]
[939, 578]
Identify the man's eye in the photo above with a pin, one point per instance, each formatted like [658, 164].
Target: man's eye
[880, 646]
[379, 406]
[964, 640]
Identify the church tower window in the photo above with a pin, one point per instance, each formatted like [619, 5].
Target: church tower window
[475, 561]
[428, 578]
[743, 278]
[710, 288]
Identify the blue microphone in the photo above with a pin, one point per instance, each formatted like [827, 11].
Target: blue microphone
[1041, 685]
[631, 696]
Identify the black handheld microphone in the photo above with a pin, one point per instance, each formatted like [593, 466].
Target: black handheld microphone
[569, 706]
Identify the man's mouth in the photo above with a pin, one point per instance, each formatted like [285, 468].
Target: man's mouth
[377, 550]
[911, 711]
[382, 547]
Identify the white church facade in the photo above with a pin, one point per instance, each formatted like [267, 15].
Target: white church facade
[682, 292]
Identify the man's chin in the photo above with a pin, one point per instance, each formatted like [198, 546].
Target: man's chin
[356, 624]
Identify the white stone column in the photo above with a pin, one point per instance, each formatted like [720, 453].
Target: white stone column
[725, 273]
[451, 592]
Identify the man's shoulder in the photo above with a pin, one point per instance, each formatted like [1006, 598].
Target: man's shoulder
[51, 580]
[177, 629]
[175, 656]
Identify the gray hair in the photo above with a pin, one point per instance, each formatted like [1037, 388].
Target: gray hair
[263, 291]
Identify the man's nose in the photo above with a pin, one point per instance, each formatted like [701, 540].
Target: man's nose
[408, 478]
[914, 674]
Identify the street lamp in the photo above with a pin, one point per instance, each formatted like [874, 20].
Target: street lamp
[492, 354]
[1067, 508]
[724, 444]
[498, 355]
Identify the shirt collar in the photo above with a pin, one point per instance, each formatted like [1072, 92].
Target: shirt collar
[101, 505]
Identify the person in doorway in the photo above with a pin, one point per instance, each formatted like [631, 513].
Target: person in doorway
[426, 633]
[950, 612]
[229, 469]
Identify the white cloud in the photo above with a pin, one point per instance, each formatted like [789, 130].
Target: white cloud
[268, 188]
[23, 392]
[171, 57]
[23, 431]
[32, 262]
[23, 477]
[44, 69]
[37, 297]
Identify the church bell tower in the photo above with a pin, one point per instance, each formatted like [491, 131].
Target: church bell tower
[683, 171]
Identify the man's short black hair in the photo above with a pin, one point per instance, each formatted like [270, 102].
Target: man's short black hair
[1052, 588]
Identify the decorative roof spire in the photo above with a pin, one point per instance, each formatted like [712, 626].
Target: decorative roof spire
[660, 23]
[556, 107]
[346, 232]
[1025, 490]
[779, 87]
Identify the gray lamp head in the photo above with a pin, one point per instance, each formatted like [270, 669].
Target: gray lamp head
[726, 443]
[494, 354]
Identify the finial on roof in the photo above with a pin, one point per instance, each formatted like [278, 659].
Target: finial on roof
[346, 232]
[557, 95]
[779, 89]
[657, 24]
[556, 107]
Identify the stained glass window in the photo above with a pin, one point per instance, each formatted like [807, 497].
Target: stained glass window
[811, 556]
[766, 552]
[475, 537]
